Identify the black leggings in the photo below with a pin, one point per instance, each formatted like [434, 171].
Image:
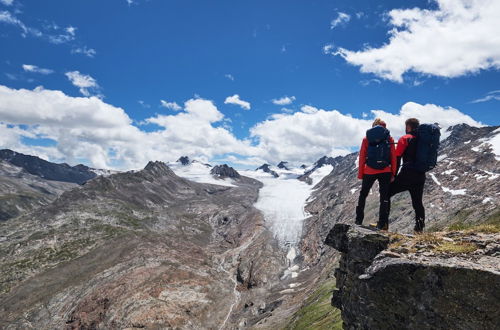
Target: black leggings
[384, 180]
[412, 181]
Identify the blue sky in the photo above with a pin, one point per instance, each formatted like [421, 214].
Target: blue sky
[137, 54]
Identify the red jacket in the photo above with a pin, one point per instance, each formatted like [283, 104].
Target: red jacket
[365, 169]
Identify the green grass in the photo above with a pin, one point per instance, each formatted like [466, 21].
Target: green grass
[456, 247]
[490, 225]
[317, 313]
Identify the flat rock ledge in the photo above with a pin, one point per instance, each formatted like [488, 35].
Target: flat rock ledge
[430, 281]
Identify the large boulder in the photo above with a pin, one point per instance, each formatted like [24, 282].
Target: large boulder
[446, 281]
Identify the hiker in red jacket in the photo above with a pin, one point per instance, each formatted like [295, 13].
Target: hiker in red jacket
[377, 162]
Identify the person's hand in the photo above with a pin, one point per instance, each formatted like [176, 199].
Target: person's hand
[392, 179]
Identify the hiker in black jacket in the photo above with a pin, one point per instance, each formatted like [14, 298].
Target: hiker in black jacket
[408, 178]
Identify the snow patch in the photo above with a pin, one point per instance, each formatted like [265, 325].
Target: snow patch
[454, 192]
[199, 172]
[486, 200]
[441, 157]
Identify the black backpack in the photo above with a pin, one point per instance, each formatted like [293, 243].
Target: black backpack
[427, 147]
[379, 148]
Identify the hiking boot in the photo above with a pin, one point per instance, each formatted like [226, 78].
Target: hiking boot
[378, 226]
[419, 225]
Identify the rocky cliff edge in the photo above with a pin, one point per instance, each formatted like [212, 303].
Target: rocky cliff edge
[432, 281]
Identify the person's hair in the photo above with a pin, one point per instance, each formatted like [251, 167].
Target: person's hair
[378, 122]
[412, 122]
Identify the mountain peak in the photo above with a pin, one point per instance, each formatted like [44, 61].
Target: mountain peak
[224, 171]
[158, 168]
[184, 160]
[282, 165]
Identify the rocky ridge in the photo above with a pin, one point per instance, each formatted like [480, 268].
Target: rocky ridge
[50, 171]
[21, 192]
[138, 249]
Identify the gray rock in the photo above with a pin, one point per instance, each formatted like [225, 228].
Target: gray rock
[379, 290]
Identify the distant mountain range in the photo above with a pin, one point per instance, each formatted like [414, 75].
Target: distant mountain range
[50, 171]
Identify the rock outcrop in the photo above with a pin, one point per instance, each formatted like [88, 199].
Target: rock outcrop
[439, 281]
[224, 171]
[282, 165]
[184, 160]
[267, 169]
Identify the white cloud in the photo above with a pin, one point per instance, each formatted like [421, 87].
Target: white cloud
[87, 128]
[36, 69]
[67, 35]
[7, 2]
[144, 104]
[7, 18]
[328, 49]
[458, 38]
[229, 76]
[285, 100]
[84, 82]
[311, 133]
[170, 105]
[235, 99]
[342, 18]
[71, 30]
[368, 82]
[89, 52]
[493, 95]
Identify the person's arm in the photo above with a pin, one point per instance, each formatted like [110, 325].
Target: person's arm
[362, 159]
[393, 158]
[400, 150]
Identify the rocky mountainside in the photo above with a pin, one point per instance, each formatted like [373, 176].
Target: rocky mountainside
[21, 192]
[180, 247]
[137, 249]
[50, 171]
[224, 171]
[433, 281]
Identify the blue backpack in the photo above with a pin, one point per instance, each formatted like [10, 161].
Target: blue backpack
[379, 148]
[427, 147]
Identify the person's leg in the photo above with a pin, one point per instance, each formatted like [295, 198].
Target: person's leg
[384, 181]
[399, 185]
[366, 185]
[417, 192]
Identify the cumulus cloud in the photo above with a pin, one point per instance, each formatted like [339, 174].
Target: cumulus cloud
[311, 133]
[170, 105]
[493, 95]
[235, 99]
[90, 130]
[36, 69]
[285, 100]
[7, 2]
[342, 18]
[86, 128]
[457, 38]
[84, 82]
